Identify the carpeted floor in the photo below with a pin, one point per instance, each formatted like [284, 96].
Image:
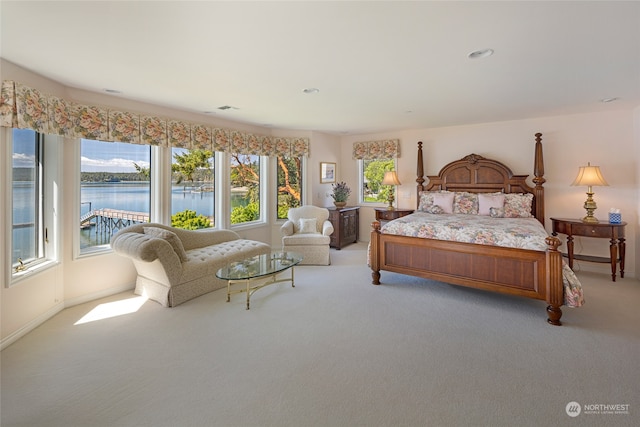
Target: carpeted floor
[333, 351]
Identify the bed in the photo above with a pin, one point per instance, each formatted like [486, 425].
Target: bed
[533, 269]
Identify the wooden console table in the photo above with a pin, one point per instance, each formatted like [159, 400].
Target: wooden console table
[614, 232]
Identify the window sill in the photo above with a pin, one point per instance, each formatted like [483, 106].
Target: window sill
[17, 277]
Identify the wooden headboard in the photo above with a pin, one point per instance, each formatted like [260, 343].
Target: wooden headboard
[475, 174]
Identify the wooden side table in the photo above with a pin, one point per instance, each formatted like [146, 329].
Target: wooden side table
[384, 214]
[614, 232]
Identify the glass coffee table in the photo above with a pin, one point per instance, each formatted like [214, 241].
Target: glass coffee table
[260, 268]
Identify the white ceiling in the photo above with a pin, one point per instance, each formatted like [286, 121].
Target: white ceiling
[379, 66]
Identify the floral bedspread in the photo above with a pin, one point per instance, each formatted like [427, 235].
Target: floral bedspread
[524, 233]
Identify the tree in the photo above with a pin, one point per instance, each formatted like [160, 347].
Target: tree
[245, 173]
[374, 174]
[145, 172]
[289, 185]
[189, 220]
[189, 162]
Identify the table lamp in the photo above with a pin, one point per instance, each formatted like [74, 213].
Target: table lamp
[390, 178]
[590, 176]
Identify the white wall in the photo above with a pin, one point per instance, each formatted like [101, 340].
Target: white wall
[604, 139]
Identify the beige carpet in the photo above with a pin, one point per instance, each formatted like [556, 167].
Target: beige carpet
[333, 351]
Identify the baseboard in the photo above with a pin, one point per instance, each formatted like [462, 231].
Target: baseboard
[97, 295]
[6, 342]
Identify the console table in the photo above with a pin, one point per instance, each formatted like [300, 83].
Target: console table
[613, 232]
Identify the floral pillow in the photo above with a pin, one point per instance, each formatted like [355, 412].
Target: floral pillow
[518, 205]
[434, 209]
[465, 203]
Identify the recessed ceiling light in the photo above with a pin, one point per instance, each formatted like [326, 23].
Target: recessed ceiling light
[608, 99]
[227, 107]
[112, 91]
[311, 90]
[483, 53]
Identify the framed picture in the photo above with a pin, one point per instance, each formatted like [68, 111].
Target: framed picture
[327, 173]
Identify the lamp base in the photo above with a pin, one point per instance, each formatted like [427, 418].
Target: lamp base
[590, 220]
[390, 200]
[590, 206]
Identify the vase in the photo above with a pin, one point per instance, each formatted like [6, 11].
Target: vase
[340, 204]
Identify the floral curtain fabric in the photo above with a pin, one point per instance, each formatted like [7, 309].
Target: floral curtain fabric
[27, 108]
[384, 149]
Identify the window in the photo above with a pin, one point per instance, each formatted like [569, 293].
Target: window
[245, 188]
[192, 188]
[371, 175]
[28, 225]
[115, 189]
[289, 191]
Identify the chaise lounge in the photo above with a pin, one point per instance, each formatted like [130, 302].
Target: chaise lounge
[175, 265]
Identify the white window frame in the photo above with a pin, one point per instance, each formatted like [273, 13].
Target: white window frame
[50, 196]
[361, 200]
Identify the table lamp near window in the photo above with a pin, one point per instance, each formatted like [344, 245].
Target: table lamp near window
[390, 178]
[589, 176]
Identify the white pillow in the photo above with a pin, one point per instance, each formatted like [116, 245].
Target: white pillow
[170, 237]
[308, 225]
[488, 201]
[445, 201]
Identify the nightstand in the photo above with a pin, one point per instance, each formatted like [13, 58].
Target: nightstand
[603, 230]
[385, 215]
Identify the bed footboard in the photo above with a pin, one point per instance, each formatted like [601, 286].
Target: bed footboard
[526, 273]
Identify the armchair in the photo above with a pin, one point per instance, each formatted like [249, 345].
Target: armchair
[307, 231]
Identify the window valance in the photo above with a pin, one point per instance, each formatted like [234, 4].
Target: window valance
[27, 108]
[383, 149]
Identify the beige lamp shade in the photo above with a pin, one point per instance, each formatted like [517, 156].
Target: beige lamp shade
[589, 176]
[390, 178]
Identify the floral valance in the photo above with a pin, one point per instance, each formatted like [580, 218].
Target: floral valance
[26, 108]
[384, 149]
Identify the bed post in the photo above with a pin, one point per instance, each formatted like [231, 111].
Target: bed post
[539, 180]
[555, 287]
[420, 174]
[374, 260]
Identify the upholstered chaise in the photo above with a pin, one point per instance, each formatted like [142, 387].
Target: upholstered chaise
[308, 232]
[176, 265]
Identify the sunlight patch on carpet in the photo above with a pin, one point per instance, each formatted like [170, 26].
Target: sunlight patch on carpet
[113, 309]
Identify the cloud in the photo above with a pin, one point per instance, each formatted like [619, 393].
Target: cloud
[22, 160]
[110, 165]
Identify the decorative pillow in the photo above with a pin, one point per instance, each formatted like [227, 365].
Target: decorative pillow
[445, 201]
[465, 203]
[308, 225]
[434, 209]
[170, 237]
[518, 205]
[488, 201]
[426, 199]
[496, 212]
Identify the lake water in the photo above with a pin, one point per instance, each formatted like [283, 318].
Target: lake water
[120, 195]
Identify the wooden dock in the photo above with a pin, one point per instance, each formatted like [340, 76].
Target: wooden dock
[109, 220]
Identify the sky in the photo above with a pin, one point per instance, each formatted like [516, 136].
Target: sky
[99, 156]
